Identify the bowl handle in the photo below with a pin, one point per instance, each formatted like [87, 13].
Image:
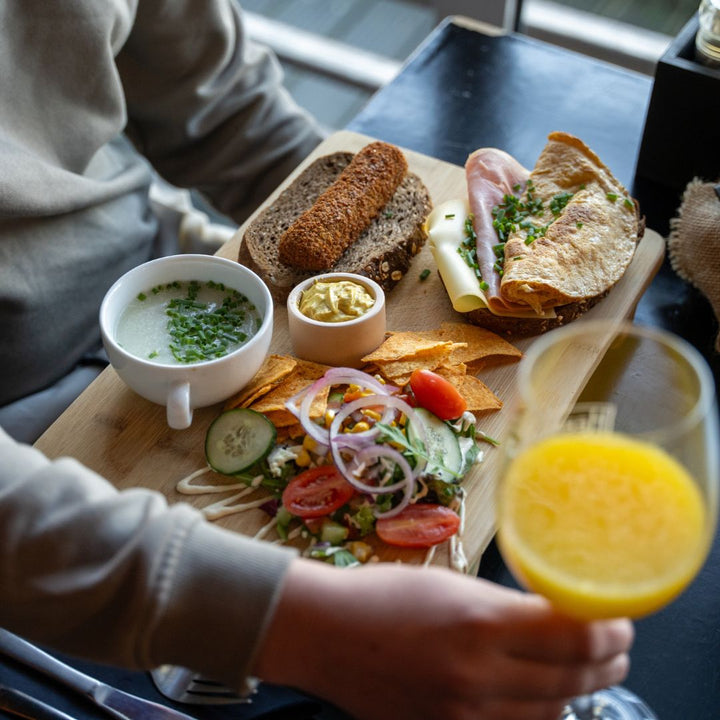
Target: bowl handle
[179, 412]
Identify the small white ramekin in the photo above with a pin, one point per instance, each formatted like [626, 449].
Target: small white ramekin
[342, 344]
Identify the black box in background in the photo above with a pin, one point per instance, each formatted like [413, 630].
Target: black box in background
[681, 139]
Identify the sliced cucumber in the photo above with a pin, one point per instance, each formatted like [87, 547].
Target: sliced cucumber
[333, 532]
[238, 439]
[442, 448]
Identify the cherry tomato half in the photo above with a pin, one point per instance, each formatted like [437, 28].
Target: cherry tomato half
[436, 394]
[317, 492]
[418, 526]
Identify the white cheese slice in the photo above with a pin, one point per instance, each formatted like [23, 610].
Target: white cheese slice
[446, 232]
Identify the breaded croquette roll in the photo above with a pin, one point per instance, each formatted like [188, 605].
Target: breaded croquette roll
[317, 239]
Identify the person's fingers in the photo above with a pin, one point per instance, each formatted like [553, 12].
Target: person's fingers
[539, 633]
[542, 681]
[562, 640]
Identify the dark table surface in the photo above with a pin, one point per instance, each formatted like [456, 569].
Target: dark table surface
[463, 90]
[466, 90]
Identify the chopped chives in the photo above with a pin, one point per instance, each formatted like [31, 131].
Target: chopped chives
[200, 330]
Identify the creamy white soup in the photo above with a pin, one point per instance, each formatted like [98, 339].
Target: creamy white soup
[187, 322]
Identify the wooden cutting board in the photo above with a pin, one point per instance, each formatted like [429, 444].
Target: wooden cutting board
[126, 438]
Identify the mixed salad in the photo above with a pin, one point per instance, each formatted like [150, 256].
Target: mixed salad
[381, 460]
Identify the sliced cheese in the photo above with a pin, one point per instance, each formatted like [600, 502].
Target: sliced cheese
[446, 232]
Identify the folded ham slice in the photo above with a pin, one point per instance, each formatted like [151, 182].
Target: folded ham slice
[491, 174]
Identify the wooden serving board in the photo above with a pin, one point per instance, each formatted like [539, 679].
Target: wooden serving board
[126, 438]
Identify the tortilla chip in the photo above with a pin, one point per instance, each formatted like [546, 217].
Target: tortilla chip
[480, 344]
[289, 433]
[273, 370]
[302, 376]
[478, 396]
[451, 369]
[401, 345]
[281, 418]
[399, 371]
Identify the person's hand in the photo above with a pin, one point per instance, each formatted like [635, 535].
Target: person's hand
[387, 642]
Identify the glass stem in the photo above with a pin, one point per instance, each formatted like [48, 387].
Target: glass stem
[582, 707]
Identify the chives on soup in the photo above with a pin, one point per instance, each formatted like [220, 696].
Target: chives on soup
[184, 322]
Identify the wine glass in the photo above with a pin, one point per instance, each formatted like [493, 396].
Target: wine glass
[608, 498]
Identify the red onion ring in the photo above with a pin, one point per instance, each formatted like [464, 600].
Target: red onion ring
[390, 402]
[362, 444]
[334, 376]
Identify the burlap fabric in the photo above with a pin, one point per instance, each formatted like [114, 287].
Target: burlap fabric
[694, 241]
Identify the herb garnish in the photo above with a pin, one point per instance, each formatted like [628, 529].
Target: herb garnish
[558, 202]
[514, 214]
[202, 331]
[468, 248]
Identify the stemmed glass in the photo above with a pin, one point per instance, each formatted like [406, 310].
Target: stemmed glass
[608, 498]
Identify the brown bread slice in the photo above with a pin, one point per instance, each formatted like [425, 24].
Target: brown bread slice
[383, 252]
[522, 327]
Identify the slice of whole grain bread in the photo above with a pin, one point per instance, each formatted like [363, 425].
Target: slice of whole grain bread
[512, 327]
[383, 252]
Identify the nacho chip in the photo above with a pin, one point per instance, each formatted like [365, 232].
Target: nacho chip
[399, 371]
[272, 372]
[281, 418]
[480, 344]
[302, 376]
[289, 433]
[478, 396]
[451, 369]
[402, 345]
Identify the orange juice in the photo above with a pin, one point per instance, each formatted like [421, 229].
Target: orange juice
[601, 525]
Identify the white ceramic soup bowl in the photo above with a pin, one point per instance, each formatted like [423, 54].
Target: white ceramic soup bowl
[336, 343]
[183, 387]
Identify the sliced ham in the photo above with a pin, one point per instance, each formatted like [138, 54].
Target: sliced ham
[491, 174]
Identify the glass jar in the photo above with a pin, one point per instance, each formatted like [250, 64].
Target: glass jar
[707, 40]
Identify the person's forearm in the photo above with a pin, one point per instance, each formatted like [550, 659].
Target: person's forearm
[121, 577]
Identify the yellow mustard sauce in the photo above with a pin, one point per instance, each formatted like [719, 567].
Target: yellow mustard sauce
[336, 301]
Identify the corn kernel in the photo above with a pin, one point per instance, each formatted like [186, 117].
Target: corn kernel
[372, 414]
[303, 458]
[362, 426]
[361, 550]
[309, 443]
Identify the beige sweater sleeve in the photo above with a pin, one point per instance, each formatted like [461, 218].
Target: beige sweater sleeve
[122, 578]
[207, 106]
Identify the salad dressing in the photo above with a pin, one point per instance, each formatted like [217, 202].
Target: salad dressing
[226, 506]
[458, 559]
[266, 528]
